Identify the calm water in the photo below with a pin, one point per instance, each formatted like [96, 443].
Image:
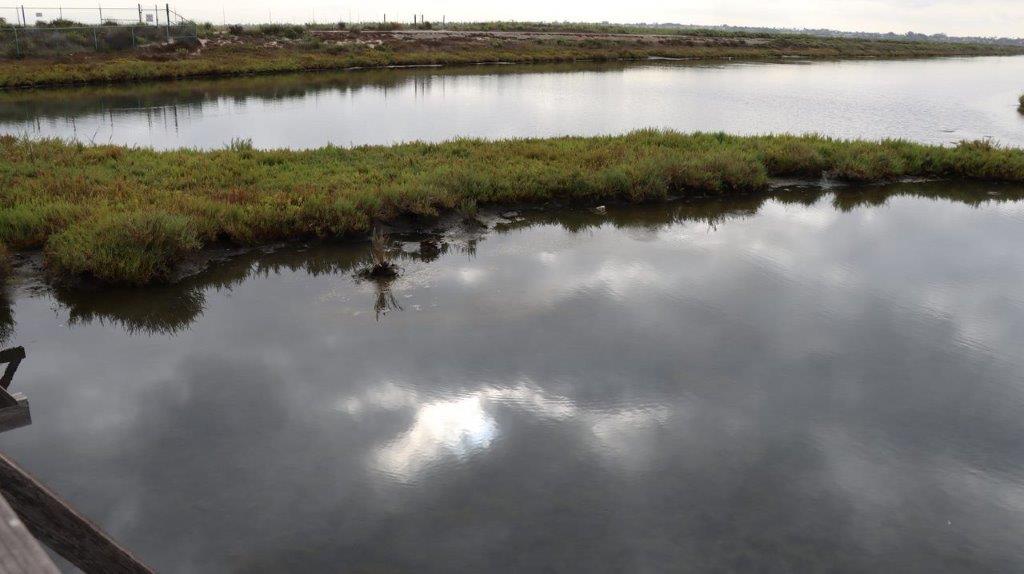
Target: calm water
[792, 384]
[933, 101]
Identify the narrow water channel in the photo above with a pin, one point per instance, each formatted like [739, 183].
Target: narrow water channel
[932, 101]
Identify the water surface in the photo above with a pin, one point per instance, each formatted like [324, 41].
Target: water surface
[932, 101]
[799, 383]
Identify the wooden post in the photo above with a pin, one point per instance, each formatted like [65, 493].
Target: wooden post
[168, 8]
[53, 522]
[140, 12]
[24, 20]
[13, 358]
[17, 43]
[20, 552]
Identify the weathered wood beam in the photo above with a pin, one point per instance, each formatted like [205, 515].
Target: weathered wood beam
[7, 400]
[20, 553]
[55, 523]
[17, 416]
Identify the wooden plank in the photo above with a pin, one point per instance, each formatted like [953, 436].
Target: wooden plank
[20, 553]
[17, 416]
[54, 523]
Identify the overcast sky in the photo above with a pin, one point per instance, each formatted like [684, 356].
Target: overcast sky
[955, 17]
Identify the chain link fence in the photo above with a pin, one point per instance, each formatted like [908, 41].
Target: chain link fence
[115, 29]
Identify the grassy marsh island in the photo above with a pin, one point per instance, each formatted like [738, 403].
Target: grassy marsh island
[130, 215]
[237, 50]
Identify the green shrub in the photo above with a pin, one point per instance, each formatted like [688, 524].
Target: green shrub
[133, 248]
[281, 31]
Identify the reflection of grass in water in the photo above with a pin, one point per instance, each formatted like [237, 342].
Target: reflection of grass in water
[1021, 101]
[172, 309]
[154, 311]
[6, 318]
[156, 97]
[6, 313]
[385, 301]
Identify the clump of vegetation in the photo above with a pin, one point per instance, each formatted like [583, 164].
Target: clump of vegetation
[132, 248]
[131, 214]
[1021, 101]
[236, 29]
[292, 32]
[381, 264]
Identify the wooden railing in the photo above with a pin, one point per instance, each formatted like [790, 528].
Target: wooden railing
[31, 513]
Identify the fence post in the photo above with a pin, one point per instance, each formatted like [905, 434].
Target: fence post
[140, 12]
[168, 8]
[133, 37]
[17, 43]
[156, 10]
[24, 20]
[101, 15]
[95, 40]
